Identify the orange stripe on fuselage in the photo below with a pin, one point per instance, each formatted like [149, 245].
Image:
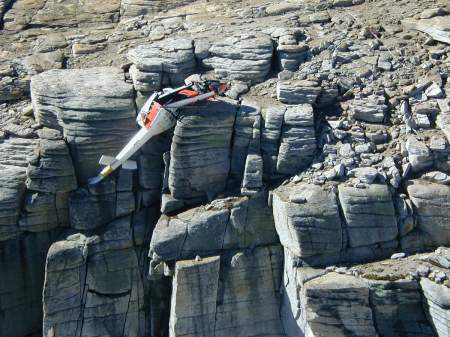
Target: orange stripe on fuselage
[188, 93]
[156, 107]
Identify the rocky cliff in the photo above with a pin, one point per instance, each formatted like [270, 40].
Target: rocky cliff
[313, 200]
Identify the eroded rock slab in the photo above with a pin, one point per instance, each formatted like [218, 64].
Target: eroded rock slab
[245, 57]
[94, 107]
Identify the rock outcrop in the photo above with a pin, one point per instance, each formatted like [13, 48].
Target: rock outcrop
[311, 200]
[94, 108]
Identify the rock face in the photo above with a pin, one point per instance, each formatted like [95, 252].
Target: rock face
[232, 223]
[309, 224]
[22, 270]
[56, 14]
[437, 303]
[205, 298]
[200, 151]
[430, 202]
[87, 292]
[243, 57]
[310, 200]
[132, 8]
[161, 64]
[366, 228]
[94, 107]
[315, 304]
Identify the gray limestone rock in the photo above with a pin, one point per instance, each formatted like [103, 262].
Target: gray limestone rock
[91, 208]
[246, 160]
[297, 143]
[298, 91]
[14, 156]
[310, 228]
[94, 286]
[94, 107]
[243, 57]
[326, 301]
[232, 223]
[369, 214]
[216, 295]
[419, 154]
[52, 171]
[370, 109]
[397, 309]
[431, 210]
[200, 151]
[162, 63]
[437, 306]
[270, 137]
[133, 8]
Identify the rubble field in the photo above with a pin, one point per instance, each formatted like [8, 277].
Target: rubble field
[312, 200]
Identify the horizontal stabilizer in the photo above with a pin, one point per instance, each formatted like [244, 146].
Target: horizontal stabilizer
[129, 165]
[106, 160]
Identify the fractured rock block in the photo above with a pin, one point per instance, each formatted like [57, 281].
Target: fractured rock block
[419, 154]
[298, 140]
[94, 286]
[200, 151]
[216, 296]
[270, 137]
[194, 297]
[22, 271]
[370, 109]
[431, 202]
[14, 156]
[246, 161]
[94, 107]
[298, 91]
[162, 63]
[327, 300]
[369, 214]
[231, 223]
[52, 171]
[241, 57]
[437, 306]
[310, 227]
[397, 309]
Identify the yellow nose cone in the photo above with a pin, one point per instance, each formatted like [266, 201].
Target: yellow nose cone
[107, 171]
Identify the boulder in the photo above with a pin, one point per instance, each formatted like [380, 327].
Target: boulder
[216, 295]
[297, 144]
[200, 151]
[371, 108]
[231, 223]
[369, 214]
[312, 227]
[431, 203]
[419, 154]
[298, 91]
[163, 63]
[94, 107]
[243, 57]
[437, 306]
[93, 284]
